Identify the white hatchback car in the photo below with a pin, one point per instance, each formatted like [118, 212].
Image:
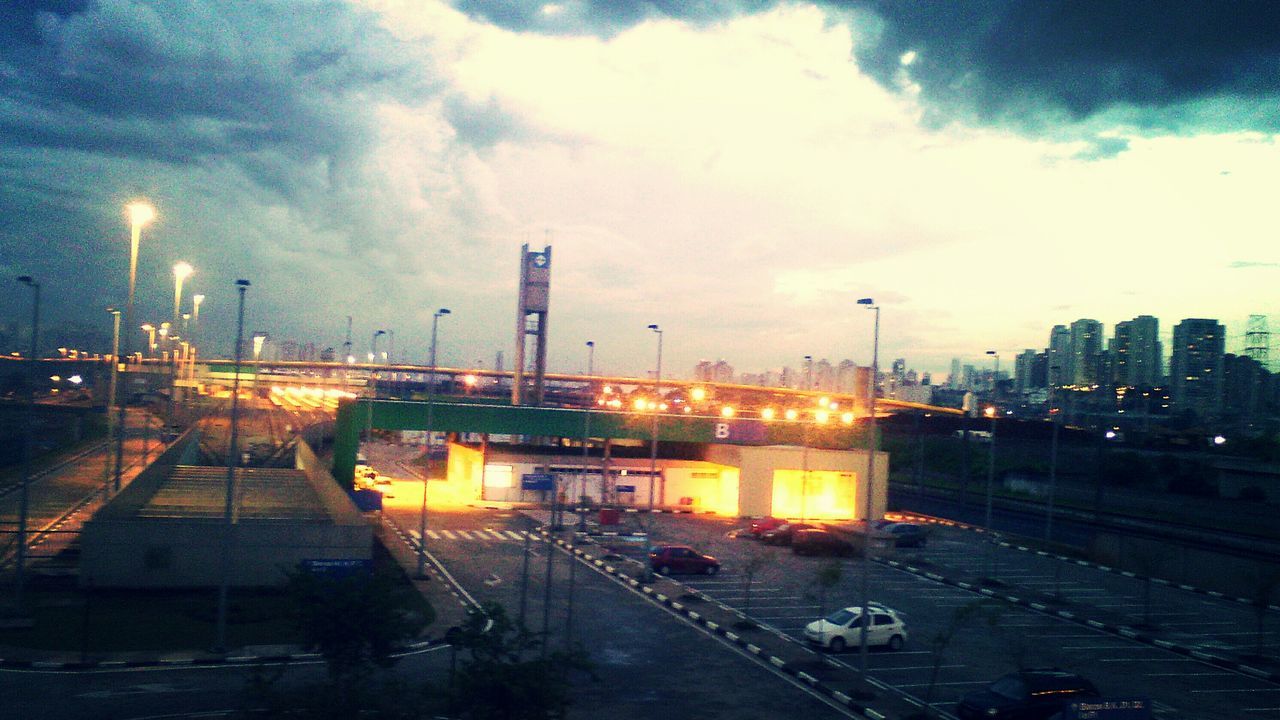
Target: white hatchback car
[842, 629]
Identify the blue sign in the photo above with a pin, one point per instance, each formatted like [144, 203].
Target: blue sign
[537, 481]
[1109, 709]
[626, 488]
[337, 567]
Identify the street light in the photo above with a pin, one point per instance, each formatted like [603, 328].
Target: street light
[259, 338]
[653, 441]
[991, 455]
[1053, 464]
[233, 460]
[871, 476]
[195, 311]
[28, 445]
[371, 387]
[111, 393]
[426, 480]
[140, 213]
[181, 271]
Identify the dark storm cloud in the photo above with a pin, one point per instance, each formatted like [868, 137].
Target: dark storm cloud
[259, 116]
[184, 81]
[1029, 65]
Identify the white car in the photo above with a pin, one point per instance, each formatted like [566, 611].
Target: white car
[842, 629]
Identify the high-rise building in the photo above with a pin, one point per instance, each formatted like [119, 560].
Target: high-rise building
[824, 376]
[1059, 355]
[1022, 366]
[954, 379]
[846, 376]
[1086, 349]
[1196, 367]
[1135, 350]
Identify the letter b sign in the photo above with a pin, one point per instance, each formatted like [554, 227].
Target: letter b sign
[722, 431]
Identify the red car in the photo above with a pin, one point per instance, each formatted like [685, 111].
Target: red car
[667, 559]
[782, 534]
[760, 525]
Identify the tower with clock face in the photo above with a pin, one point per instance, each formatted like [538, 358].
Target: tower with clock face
[531, 320]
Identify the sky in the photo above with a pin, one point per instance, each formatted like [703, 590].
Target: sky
[738, 172]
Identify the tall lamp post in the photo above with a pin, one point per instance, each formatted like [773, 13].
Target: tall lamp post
[653, 430]
[1053, 465]
[426, 480]
[140, 213]
[233, 461]
[872, 445]
[582, 490]
[195, 315]
[372, 386]
[112, 388]
[991, 412]
[28, 447]
[181, 271]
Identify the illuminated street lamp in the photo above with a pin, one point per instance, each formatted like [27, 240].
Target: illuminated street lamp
[426, 479]
[872, 444]
[181, 271]
[653, 428]
[111, 393]
[259, 339]
[195, 312]
[150, 330]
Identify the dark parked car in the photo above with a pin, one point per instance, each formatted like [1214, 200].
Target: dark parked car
[782, 534]
[820, 542]
[907, 534]
[667, 559]
[760, 525]
[1026, 695]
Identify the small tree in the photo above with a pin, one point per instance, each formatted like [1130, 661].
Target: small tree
[961, 618]
[756, 560]
[495, 681]
[356, 622]
[828, 576]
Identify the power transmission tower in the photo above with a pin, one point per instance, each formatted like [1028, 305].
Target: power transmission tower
[1257, 341]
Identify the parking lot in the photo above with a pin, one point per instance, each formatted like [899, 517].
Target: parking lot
[988, 637]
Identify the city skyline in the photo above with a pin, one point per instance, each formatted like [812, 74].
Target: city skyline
[739, 177]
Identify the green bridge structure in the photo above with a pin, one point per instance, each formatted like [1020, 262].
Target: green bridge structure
[451, 414]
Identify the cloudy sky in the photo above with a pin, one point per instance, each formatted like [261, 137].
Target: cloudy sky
[739, 172]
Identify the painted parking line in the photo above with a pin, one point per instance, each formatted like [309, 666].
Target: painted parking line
[514, 535]
[1195, 674]
[495, 533]
[431, 534]
[466, 535]
[449, 534]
